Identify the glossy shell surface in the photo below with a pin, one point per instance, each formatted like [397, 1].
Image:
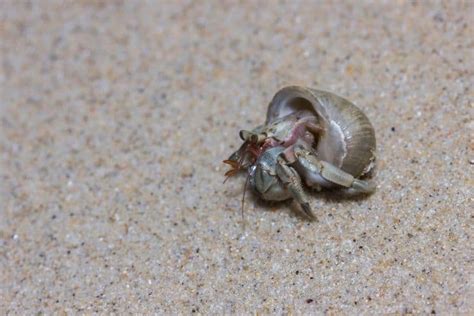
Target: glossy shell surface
[348, 140]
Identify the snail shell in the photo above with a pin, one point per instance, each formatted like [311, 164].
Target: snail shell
[348, 140]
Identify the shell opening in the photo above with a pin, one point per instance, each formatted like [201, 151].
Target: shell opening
[294, 104]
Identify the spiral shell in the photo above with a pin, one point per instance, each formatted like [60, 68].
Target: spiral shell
[348, 140]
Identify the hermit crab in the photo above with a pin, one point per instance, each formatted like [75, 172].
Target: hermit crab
[309, 136]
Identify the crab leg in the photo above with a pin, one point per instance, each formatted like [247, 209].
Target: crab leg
[292, 181]
[316, 169]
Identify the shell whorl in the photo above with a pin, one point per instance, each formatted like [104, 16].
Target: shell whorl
[348, 141]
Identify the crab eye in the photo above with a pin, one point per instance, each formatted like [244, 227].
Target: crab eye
[252, 137]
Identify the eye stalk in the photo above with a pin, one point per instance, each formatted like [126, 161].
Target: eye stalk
[252, 137]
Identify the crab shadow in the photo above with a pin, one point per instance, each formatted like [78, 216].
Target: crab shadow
[337, 196]
[288, 206]
[329, 196]
[292, 208]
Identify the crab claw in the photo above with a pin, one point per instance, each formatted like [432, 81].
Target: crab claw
[232, 163]
[236, 167]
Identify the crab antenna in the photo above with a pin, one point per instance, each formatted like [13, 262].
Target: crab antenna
[226, 178]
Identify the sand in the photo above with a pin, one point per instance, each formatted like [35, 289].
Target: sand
[115, 119]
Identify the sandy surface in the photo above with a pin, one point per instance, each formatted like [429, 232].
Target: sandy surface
[115, 119]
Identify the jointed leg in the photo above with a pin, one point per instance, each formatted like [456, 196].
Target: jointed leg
[314, 128]
[363, 186]
[292, 181]
[331, 173]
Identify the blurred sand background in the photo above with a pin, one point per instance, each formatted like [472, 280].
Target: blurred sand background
[115, 117]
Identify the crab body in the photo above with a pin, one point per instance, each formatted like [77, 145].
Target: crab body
[312, 137]
[284, 131]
